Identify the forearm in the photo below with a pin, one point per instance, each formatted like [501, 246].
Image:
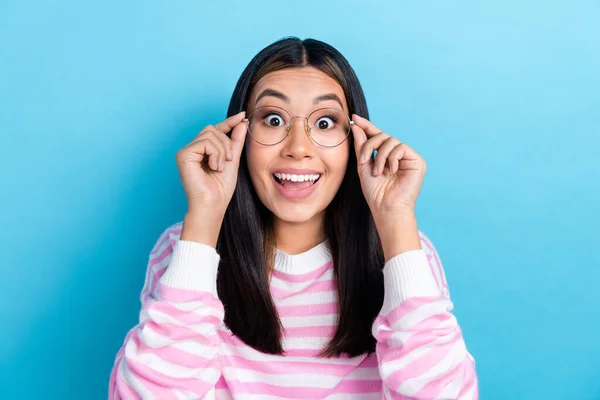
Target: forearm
[398, 234]
[202, 227]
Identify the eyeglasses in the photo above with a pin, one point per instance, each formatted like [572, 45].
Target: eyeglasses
[270, 125]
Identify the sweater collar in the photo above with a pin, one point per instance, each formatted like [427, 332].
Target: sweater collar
[304, 262]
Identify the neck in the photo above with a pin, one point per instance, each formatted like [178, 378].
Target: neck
[298, 237]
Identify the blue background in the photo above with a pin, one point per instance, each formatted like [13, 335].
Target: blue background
[502, 100]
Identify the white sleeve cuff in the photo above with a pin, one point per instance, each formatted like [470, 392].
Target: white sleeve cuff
[193, 266]
[406, 275]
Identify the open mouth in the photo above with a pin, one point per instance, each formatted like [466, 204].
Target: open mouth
[296, 182]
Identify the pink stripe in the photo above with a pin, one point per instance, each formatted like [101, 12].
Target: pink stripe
[125, 392]
[153, 276]
[426, 241]
[182, 295]
[161, 242]
[156, 275]
[179, 357]
[158, 258]
[418, 366]
[440, 268]
[232, 340]
[185, 317]
[177, 332]
[409, 306]
[434, 389]
[310, 353]
[440, 317]
[306, 277]
[307, 310]
[296, 367]
[432, 268]
[303, 392]
[434, 254]
[317, 287]
[310, 331]
[221, 384]
[163, 382]
[469, 378]
[429, 326]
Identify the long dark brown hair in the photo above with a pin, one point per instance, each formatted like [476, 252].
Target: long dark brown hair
[246, 242]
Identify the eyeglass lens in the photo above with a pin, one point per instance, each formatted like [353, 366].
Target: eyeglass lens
[270, 125]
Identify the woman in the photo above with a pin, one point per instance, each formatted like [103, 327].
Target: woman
[298, 271]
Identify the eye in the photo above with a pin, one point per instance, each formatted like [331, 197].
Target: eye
[326, 122]
[274, 120]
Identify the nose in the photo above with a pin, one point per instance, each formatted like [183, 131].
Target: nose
[298, 143]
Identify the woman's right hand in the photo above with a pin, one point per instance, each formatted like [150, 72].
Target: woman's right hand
[208, 165]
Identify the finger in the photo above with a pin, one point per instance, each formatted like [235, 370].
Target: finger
[208, 148]
[370, 146]
[220, 136]
[231, 122]
[222, 148]
[366, 125]
[383, 153]
[405, 158]
[360, 137]
[238, 138]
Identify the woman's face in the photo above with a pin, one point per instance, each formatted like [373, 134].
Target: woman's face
[271, 167]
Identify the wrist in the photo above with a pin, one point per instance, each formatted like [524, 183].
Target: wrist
[398, 234]
[201, 226]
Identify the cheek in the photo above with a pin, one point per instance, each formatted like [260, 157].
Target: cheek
[257, 159]
[337, 163]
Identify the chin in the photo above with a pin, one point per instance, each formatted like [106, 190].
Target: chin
[298, 214]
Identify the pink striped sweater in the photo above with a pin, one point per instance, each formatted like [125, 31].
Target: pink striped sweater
[182, 350]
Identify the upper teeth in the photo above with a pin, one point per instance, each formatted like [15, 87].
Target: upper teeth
[297, 178]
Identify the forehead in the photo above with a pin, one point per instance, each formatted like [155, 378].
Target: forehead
[300, 84]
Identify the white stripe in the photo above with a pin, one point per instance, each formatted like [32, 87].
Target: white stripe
[309, 321]
[453, 358]
[286, 379]
[290, 286]
[421, 313]
[164, 367]
[195, 305]
[469, 394]
[251, 354]
[402, 336]
[388, 367]
[309, 343]
[320, 380]
[357, 396]
[309, 298]
[155, 340]
[160, 317]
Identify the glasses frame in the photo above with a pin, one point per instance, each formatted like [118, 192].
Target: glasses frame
[307, 127]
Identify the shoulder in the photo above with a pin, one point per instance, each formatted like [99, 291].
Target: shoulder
[435, 263]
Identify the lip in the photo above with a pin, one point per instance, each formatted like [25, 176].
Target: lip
[296, 194]
[296, 171]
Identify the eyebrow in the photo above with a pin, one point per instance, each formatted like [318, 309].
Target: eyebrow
[283, 97]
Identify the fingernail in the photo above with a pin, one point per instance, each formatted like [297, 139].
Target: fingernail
[222, 165]
[363, 158]
[375, 170]
[229, 154]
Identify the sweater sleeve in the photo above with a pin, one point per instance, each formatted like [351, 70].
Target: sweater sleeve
[420, 347]
[172, 353]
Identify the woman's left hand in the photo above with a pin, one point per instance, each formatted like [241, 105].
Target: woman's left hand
[392, 181]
